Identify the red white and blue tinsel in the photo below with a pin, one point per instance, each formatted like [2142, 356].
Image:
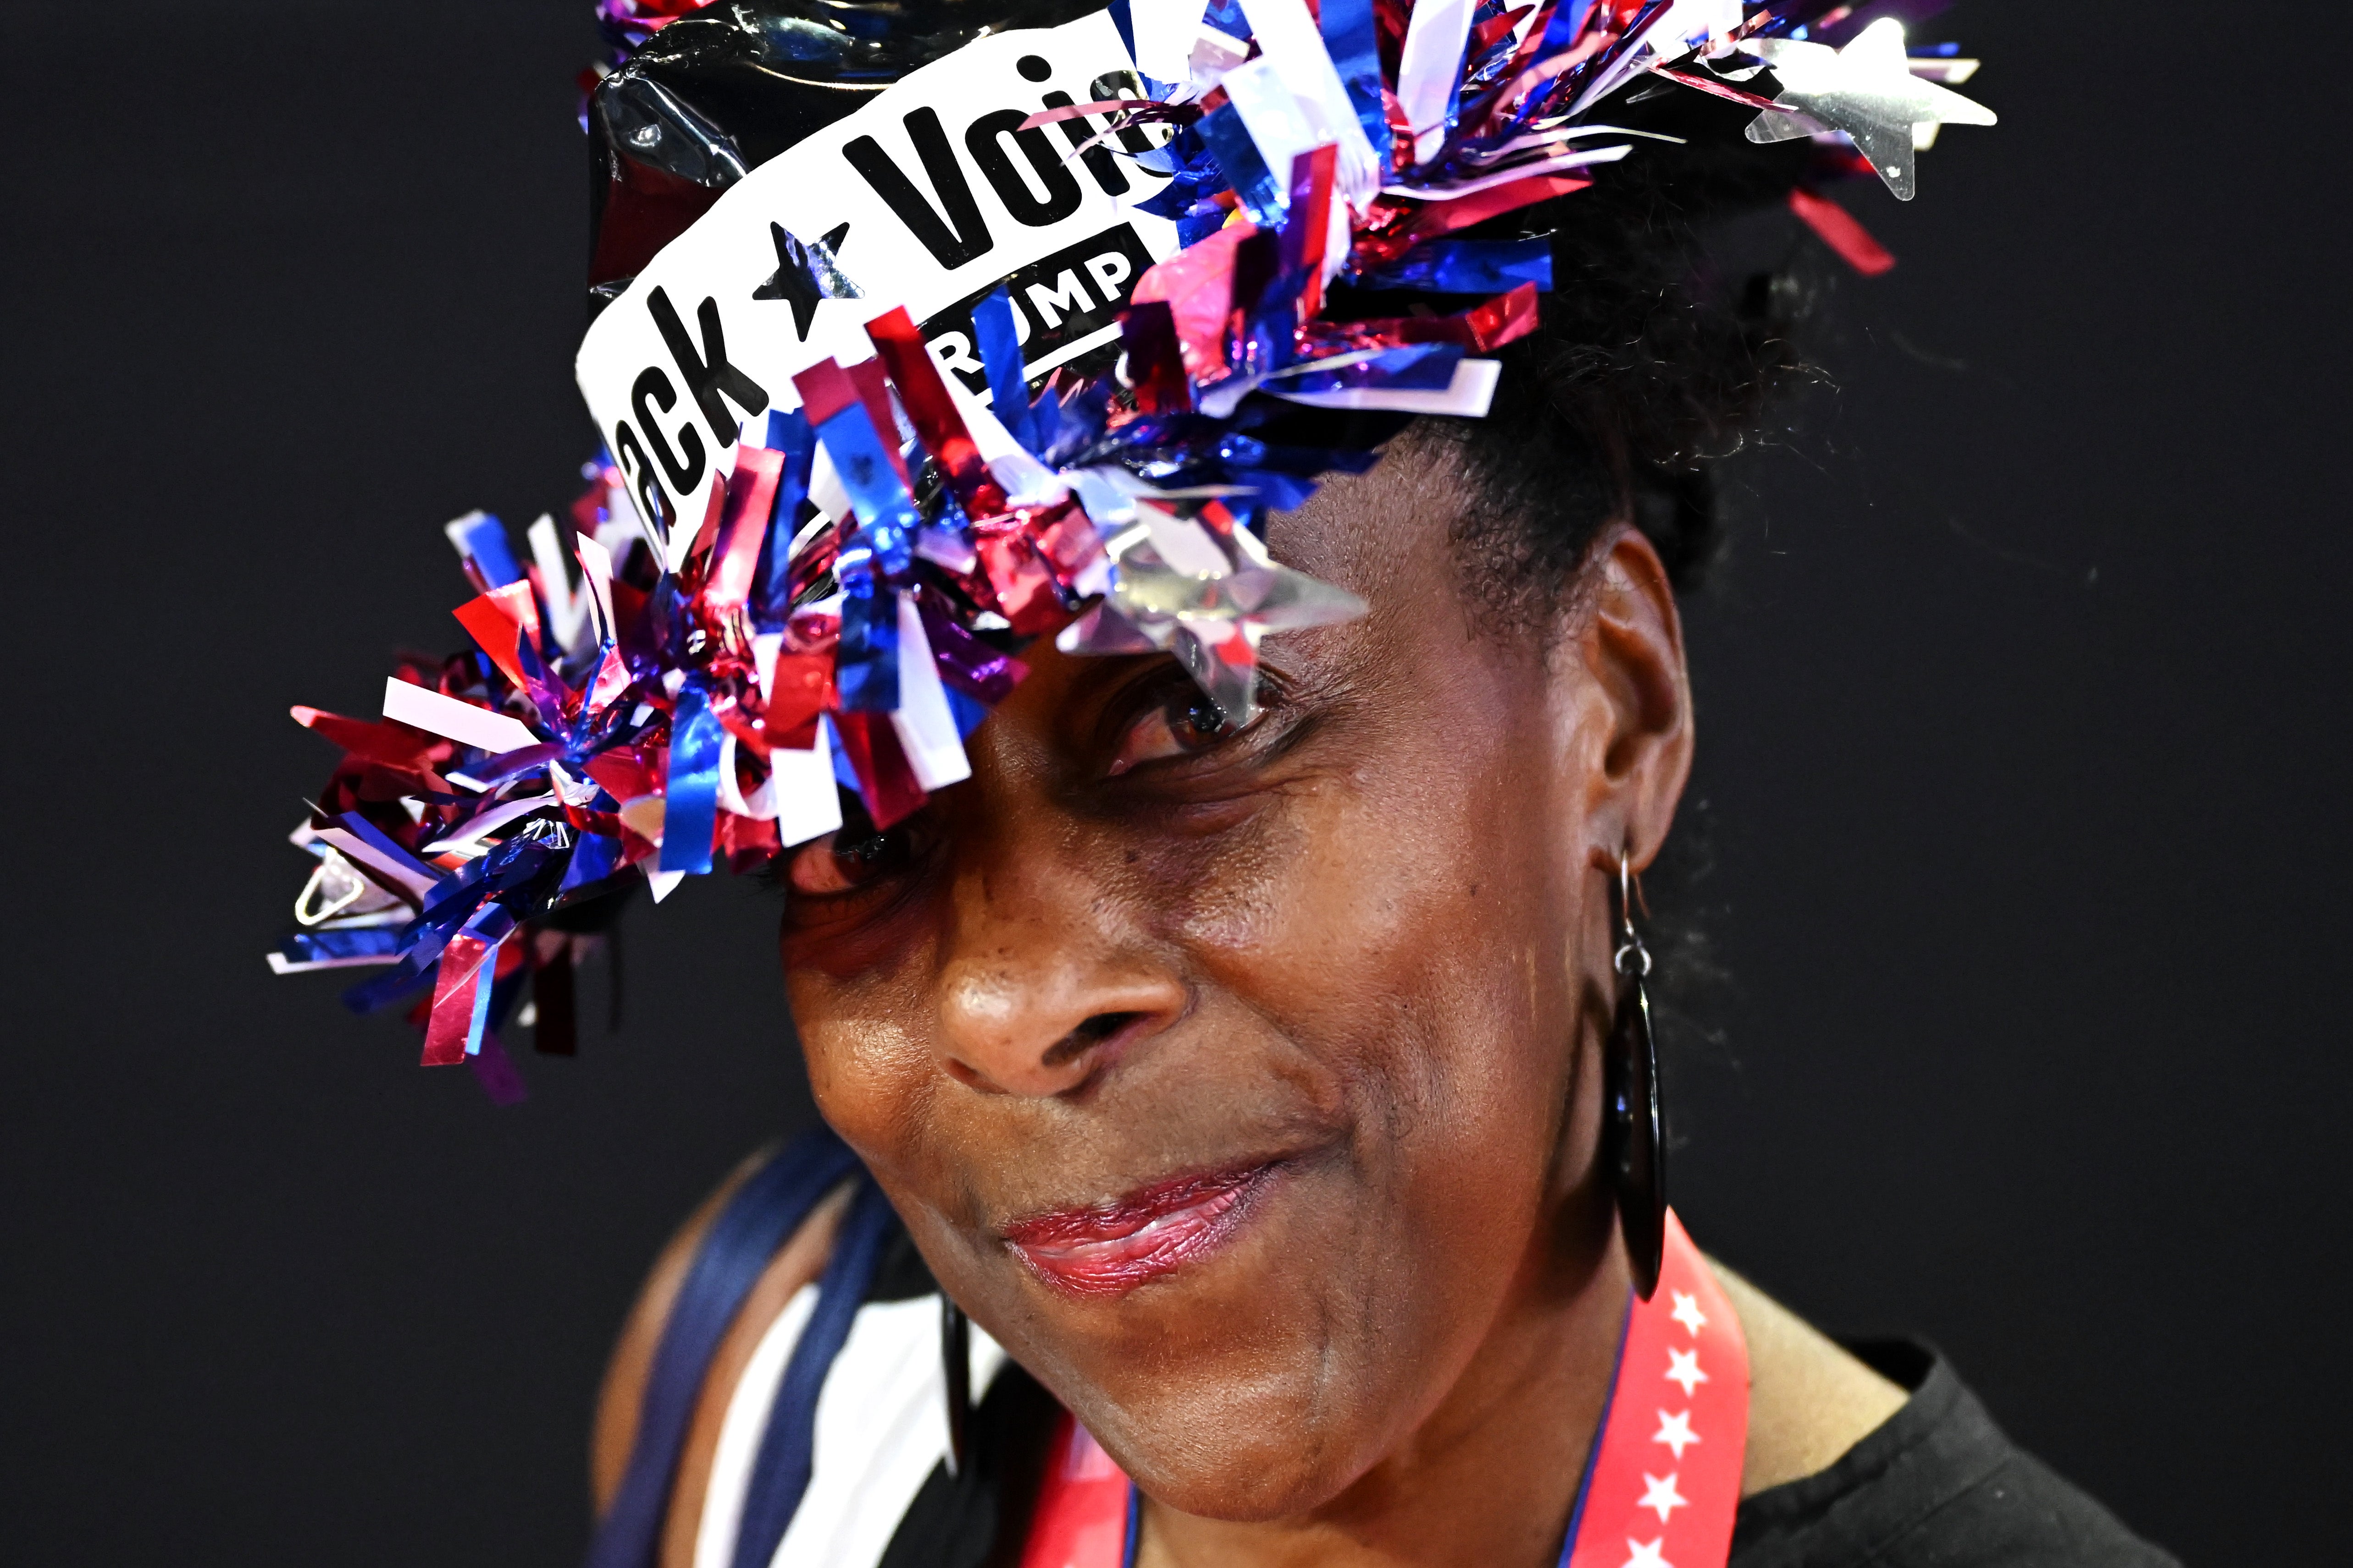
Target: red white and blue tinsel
[856, 598]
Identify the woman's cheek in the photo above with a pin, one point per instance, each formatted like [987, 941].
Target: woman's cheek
[1293, 898]
[869, 1065]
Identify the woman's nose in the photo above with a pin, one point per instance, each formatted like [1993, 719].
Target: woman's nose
[1030, 1005]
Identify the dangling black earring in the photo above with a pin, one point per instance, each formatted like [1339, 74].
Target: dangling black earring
[955, 1358]
[1634, 1143]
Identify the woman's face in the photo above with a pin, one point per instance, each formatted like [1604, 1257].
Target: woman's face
[1244, 1086]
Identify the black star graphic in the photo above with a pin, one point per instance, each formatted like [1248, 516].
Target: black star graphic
[806, 274]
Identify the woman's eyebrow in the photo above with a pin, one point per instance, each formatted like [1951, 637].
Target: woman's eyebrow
[1097, 681]
[1098, 674]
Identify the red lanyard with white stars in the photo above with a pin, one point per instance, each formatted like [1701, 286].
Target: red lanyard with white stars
[1661, 1486]
[1665, 1478]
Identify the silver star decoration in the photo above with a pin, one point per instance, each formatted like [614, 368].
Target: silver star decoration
[1866, 90]
[1207, 596]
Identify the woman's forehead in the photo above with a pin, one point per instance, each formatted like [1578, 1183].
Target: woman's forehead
[1383, 534]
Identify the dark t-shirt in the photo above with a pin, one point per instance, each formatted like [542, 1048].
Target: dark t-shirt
[1937, 1486]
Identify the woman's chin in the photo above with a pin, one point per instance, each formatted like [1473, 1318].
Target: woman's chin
[1236, 1453]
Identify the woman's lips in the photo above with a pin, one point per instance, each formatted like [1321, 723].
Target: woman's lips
[1111, 1250]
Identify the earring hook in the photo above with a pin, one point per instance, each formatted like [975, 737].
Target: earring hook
[1631, 956]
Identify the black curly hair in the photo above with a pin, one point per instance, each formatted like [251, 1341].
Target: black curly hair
[1655, 357]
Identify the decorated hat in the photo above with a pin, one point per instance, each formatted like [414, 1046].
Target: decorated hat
[923, 332]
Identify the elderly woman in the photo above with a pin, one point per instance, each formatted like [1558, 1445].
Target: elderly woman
[1242, 1141]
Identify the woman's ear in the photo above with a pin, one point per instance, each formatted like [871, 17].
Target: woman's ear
[1628, 641]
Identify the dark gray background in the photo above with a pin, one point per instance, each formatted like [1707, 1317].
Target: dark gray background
[2022, 706]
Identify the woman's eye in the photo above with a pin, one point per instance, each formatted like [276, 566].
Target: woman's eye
[1186, 722]
[846, 862]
